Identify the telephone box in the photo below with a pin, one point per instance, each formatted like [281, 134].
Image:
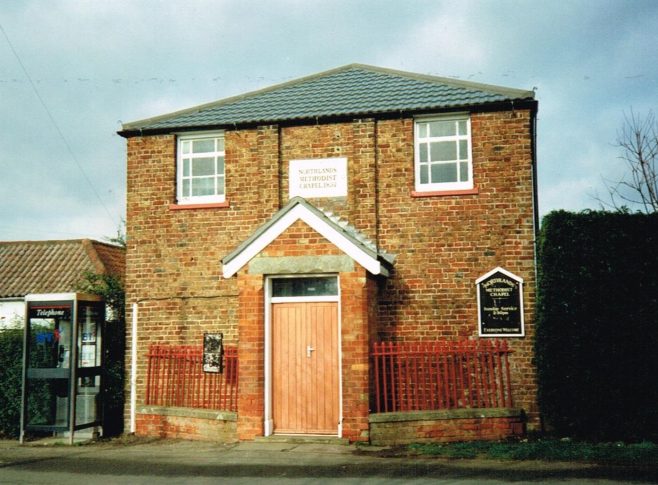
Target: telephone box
[62, 367]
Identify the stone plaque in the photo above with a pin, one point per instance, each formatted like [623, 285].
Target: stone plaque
[500, 304]
[322, 177]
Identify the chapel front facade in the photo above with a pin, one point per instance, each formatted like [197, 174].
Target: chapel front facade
[310, 222]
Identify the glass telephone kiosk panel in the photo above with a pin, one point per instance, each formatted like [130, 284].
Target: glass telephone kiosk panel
[62, 362]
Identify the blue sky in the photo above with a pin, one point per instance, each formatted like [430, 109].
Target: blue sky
[93, 64]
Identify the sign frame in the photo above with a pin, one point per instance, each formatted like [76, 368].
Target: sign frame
[317, 177]
[213, 353]
[520, 311]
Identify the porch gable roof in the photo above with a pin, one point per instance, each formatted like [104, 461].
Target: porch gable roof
[342, 235]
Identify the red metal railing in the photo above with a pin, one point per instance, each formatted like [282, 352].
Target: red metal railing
[441, 375]
[176, 378]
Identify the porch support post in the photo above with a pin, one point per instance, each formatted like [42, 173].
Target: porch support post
[356, 293]
[251, 406]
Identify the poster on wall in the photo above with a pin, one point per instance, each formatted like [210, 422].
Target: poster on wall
[500, 304]
[213, 352]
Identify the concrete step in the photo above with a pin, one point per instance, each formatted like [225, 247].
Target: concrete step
[303, 439]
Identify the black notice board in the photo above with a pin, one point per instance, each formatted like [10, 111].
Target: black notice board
[213, 352]
[500, 304]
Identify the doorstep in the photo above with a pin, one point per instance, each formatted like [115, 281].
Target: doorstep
[302, 439]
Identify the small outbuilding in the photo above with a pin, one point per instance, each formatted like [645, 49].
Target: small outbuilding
[55, 266]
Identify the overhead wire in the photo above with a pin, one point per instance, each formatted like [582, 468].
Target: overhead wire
[35, 232]
[56, 125]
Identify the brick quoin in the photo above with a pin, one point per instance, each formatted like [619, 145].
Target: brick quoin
[442, 245]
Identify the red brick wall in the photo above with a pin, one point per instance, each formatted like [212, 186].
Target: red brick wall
[251, 355]
[173, 261]
[355, 288]
[443, 244]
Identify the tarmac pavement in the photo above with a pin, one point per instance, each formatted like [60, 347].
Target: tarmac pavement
[152, 462]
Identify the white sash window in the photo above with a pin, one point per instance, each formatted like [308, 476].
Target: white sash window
[443, 154]
[201, 177]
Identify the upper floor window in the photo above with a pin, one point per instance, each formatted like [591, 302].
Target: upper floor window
[201, 169]
[443, 154]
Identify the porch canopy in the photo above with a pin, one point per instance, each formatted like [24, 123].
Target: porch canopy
[341, 234]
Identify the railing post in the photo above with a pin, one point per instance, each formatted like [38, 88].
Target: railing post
[375, 359]
[175, 377]
[509, 379]
[441, 375]
[149, 374]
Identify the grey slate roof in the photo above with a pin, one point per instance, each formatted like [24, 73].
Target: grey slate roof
[350, 232]
[352, 90]
[54, 266]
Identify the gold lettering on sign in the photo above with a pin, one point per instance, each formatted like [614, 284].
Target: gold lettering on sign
[318, 178]
[500, 300]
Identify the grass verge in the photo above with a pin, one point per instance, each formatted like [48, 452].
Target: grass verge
[644, 453]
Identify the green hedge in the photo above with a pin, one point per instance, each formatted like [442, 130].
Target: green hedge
[597, 324]
[115, 351]
[11, 368]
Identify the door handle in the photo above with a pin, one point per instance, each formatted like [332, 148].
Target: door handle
[309, 349]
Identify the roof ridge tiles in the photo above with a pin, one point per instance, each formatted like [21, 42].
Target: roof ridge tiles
[351, 230]
[93, 256]
[50, 266]
[363, 89]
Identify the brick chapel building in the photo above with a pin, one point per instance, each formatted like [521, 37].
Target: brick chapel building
[312, 220]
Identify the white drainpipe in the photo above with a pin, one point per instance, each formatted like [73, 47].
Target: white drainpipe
[133, 370]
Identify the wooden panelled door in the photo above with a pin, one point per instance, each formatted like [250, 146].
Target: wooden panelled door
[305, 381]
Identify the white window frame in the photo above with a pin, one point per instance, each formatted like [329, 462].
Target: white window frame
[443, 186]
[181, 157]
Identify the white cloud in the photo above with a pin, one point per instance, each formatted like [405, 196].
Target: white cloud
[570, 194]
[95, 63]
[443, 40]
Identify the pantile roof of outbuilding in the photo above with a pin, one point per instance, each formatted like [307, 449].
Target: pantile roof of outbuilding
[54, 266]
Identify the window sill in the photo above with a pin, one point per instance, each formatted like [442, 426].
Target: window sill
[445, 193]
[214, 205]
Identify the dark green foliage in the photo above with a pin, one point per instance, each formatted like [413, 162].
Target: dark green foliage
[597, 324]
[112, 291]
[115, 351]
[11, 368]
[109, 287]
[547, 450]
[41, 405]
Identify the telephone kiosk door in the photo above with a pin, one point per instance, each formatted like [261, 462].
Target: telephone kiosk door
[62, 363]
